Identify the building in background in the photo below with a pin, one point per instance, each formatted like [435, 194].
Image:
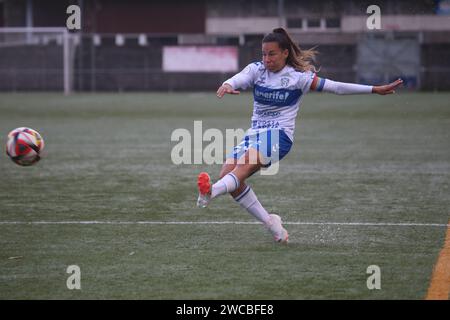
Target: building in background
[195, 45]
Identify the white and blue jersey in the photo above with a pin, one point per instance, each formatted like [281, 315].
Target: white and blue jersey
[277, 98]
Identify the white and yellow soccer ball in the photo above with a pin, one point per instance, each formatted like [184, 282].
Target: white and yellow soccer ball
[24, 146]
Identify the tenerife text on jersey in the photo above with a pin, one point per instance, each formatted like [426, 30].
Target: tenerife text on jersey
[276, 97]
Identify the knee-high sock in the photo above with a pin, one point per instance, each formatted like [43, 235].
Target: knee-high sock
[227, 184]
[248, 200]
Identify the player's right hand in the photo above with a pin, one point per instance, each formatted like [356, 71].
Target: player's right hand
[226, 88]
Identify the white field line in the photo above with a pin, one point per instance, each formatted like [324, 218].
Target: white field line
[93, 222]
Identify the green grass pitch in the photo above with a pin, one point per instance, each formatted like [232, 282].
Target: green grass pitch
[356, 159]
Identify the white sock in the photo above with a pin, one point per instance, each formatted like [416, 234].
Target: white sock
[248, 200]
[227, 184]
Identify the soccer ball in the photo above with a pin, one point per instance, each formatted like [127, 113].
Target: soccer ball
[24, 146]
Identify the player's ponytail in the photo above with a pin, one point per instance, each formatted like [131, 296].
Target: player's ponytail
[300, 60]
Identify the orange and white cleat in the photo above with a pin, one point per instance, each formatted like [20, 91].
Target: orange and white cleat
[204, 190]
[276, 229]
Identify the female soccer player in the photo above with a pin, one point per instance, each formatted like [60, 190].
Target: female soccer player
[279, 83]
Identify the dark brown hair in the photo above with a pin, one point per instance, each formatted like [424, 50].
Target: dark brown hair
[300, 60]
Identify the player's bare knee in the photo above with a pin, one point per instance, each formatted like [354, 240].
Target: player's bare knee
[226, 168]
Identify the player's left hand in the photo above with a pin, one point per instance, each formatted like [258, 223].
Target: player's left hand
[388, 88]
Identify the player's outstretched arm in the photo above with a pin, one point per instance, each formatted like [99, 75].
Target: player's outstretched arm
[388, 88]
[327, 85]
[226, 88]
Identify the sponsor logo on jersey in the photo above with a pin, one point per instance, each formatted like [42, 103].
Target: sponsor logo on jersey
[263, 113]
[276, 97]
[262, 124]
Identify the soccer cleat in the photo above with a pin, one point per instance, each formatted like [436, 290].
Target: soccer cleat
[204, 190]
[276, 228]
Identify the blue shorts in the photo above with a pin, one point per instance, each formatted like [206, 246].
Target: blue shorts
[272, 144]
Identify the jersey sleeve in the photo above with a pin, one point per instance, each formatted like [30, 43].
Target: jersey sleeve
[327, 85]
[245, 78]
[305, 81]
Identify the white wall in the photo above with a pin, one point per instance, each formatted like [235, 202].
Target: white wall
[263, 25]
[251, 25]
[398, 22]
